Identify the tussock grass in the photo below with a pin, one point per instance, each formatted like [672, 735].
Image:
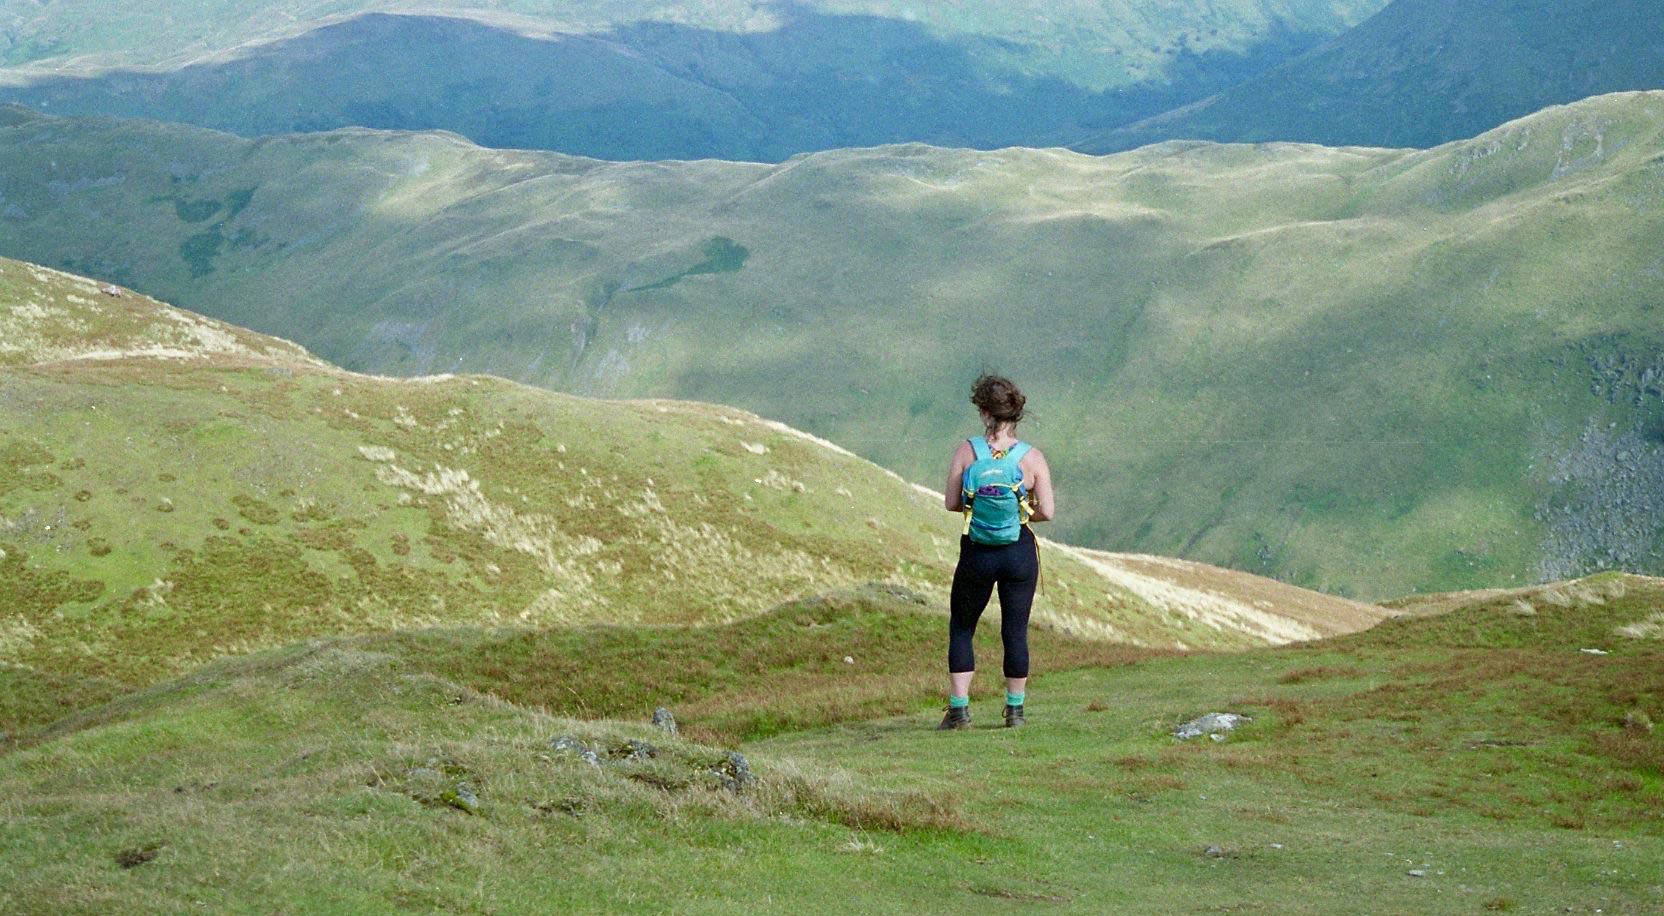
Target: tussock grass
[781, 671]
[385, 759]
[235, 767]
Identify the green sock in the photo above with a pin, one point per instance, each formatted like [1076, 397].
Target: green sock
[959, 702]
[1013, 699]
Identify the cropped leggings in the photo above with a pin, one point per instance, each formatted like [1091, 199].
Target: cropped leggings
[1015, 568]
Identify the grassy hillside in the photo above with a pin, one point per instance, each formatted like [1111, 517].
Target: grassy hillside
[174, 489]
[364, 775]
[1377, 371]
[1089, 43]
[1425, 72]
[648, 81]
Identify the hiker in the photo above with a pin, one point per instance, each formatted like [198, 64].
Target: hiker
[1000, 485]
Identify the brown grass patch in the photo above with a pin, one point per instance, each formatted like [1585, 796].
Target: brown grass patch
[1318, 673]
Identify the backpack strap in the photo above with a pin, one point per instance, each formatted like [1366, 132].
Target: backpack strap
[1016, 452]
[979, 452]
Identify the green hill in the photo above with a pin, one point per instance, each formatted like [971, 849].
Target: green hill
[1424, 72]
[637, 80]
[174, 489]
[1377, 371]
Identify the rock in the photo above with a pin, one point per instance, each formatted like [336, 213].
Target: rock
[111, 290]
[848, 660]
[664, 719]
[570, 745]
[462, 797]
[1417, 873]
[1214, 852]
[1213, 724]
[735, 772]
[1594, 652]
[634, 750]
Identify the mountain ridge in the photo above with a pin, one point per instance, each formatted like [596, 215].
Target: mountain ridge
[1164, 288]
[1420, 73]
[638, 84]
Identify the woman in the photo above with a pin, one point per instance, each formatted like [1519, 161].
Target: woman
[1013, 567]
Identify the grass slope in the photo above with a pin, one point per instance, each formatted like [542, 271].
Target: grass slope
[1422, 72]
[1397, 770]
[174, 489]
[1361, 370]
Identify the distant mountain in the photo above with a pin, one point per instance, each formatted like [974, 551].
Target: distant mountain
[1379, 371]
[1425, 72]
[626, 80]
[173, 489]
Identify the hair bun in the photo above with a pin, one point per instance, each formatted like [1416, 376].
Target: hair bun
[998, 397]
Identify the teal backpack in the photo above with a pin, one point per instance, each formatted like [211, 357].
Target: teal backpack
[996, 508]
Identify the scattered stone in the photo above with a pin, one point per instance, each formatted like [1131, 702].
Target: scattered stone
[665, 720]
[634, 750]
[462, 797]
[1594, 652]
[848, 660]
[735, 772]
[1214, 724]
[569, 744]
[111, 290]
[1418, 873]
[1214, 852]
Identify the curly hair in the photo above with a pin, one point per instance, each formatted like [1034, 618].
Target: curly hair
[999, 398]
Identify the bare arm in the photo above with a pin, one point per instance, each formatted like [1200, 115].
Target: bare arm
[953, 496]
[1039, 476]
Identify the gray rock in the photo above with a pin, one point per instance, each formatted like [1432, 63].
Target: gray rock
[734, 772]
[634, 750]
[1214, 724]
[1417, 873]
[664, 719]
[567, 744]
[462, 797]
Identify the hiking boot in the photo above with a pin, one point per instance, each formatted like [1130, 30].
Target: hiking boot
[1013, 716]
[957, 717]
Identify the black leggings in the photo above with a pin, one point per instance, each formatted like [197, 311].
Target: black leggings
[1015, 568]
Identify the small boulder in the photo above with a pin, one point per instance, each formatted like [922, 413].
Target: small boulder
[734, 772]
[1214, 723]
[570, 745]
[111, 290]
[462, 797]
[634, 750]
[666, 720]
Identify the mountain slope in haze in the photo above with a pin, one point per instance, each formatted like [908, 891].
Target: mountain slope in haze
[753, 83]
[174, 489]
[1381, 371]
[1424, 72]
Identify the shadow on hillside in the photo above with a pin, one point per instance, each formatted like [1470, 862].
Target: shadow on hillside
[649, 90]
